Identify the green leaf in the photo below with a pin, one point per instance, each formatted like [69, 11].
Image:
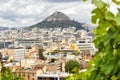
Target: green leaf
[116, 2]
[109, 35]
[97, 13]
[113, 77]
[99, 3]
[117, 38]
[117, 19]
[99, 77]
[109, 15]
[94, 19]
[107, 69]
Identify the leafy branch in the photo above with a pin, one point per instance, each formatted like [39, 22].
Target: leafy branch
[106, 63]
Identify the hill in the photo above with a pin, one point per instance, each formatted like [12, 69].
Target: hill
[58, 19]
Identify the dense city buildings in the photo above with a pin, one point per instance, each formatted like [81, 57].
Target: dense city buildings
[20, 50]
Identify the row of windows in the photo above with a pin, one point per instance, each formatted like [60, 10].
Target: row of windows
[49, 78]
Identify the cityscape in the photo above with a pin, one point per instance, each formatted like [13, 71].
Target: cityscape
[59, 40]
[42, 53]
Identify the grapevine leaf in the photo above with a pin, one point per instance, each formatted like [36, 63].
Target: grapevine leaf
[107, 68]
[98, 77]
[109, 15]
[110, 34]
[116, 2]
[117, 19]
[94, 19]
[99, 3]
[113, 77]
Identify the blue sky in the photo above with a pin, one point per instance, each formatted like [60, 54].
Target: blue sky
[21, 13]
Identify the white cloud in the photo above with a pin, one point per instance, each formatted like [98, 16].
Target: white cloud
[19, 13]
[5, 22]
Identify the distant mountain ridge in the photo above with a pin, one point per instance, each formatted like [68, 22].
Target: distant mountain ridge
[58, 19]
[3, 28]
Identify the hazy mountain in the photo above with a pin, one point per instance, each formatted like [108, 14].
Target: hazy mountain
[4, 28]
[58, 19]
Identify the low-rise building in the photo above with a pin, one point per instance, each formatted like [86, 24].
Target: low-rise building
[86, 46]
[27, 42]
[52, 76]
[13, 53]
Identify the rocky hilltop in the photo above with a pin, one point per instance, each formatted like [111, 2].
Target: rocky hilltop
[58, 19]
[57, 16]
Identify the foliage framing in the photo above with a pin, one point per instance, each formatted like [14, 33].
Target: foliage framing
[7, 74]
[106, 63]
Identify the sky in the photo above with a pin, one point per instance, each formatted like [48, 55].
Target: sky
[23, 13]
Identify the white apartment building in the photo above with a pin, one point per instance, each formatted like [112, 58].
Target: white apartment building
[19, 54]
[85, 45]
[52, 76]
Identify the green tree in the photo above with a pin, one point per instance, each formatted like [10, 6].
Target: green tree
[7, 75]
[72, 66]
[40, 54]
[106, 62]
